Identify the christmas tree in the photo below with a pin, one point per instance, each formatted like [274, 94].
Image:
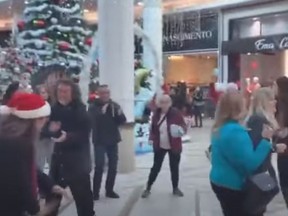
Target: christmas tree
[11, 65]
[53, 36]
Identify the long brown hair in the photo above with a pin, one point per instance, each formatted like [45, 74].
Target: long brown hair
[282, 101]
[76, 94]
[231, 106]
[12, 127]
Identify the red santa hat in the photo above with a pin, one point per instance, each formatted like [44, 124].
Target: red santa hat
[26, 106]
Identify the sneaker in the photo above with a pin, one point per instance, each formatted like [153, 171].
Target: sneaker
[178, 192]
[112, 195]
[146, 193]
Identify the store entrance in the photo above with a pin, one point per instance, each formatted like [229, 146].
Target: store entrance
[266, 67]
[192, 69]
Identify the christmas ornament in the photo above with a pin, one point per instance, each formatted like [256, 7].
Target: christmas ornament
[88, 41]
[17, 70]
[21, 25]
[54, 20]
[38, 44]
[39, 23]
[64, 45]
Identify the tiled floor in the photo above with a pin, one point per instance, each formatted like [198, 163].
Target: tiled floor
[194, 180]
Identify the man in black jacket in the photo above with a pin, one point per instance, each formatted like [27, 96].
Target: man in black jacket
[106, 116]
[71, 164]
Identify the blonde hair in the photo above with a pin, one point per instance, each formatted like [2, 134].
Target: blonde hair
[231, 106]
[259, 103]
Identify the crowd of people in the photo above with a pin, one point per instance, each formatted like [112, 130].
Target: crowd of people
[35, 130]
[243, 141]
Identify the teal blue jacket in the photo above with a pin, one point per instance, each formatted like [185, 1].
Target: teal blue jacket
[233, 156]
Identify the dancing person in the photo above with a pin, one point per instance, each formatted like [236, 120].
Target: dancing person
[45, 145]
[281, 90]
[19, 130]
[262, 112]
[106, 116]
[166, 130]
[198, 103]
[71, 163]
[233, 157]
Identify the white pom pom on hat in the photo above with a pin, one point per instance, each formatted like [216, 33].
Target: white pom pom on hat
[26, 106]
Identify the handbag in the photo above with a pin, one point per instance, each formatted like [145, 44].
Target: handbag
[260, 190]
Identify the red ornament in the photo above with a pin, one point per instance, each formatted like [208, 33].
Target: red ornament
[88, 41]
[21, 25]
[45, 38]
[64, 45]
[39, 23]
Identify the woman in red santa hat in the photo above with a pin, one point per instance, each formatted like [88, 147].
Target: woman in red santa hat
[25, 115]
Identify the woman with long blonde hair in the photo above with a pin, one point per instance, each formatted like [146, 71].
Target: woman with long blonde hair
[261, 112]
[234, 159]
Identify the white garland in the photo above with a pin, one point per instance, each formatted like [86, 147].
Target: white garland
[34, 33]
[35, 9]
[23, 42]
[37, 52]
[67, 10]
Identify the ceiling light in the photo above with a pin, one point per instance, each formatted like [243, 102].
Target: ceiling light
[248, 53]
[26, 2]
[86, 10]
[255, 18]
[140, 3]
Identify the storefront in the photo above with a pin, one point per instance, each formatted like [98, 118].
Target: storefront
[190, 47]
[255, 45]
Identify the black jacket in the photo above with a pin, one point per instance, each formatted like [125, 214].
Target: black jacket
[105, 127]
[16, 187]
[45, 183]
[255, 125]
[71, 157]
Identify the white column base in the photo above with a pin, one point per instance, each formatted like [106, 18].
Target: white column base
[126, 149]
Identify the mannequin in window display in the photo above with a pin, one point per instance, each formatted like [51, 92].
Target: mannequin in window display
[251, 87]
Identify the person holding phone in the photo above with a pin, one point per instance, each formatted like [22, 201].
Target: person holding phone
[106, 116]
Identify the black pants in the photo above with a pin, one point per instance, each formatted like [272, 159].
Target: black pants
[80, 187]
[112, 154]
[198, 116]
[283, 176]
[174, 159]
[231, 201]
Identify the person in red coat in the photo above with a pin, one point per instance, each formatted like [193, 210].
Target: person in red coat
[167, 128]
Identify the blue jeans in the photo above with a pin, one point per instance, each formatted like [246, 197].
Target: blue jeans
[112, 154]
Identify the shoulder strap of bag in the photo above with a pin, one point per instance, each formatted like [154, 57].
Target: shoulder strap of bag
[162, 120]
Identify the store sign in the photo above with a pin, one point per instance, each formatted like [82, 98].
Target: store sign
[190, 31]
[254, 45]
[262, 45]
[284, 43]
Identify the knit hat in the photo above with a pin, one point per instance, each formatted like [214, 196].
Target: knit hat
[26, 106]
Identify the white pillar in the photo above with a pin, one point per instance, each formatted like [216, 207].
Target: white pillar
[116, 59]
[152, 19]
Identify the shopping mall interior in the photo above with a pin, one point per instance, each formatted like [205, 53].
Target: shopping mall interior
[131, 52]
